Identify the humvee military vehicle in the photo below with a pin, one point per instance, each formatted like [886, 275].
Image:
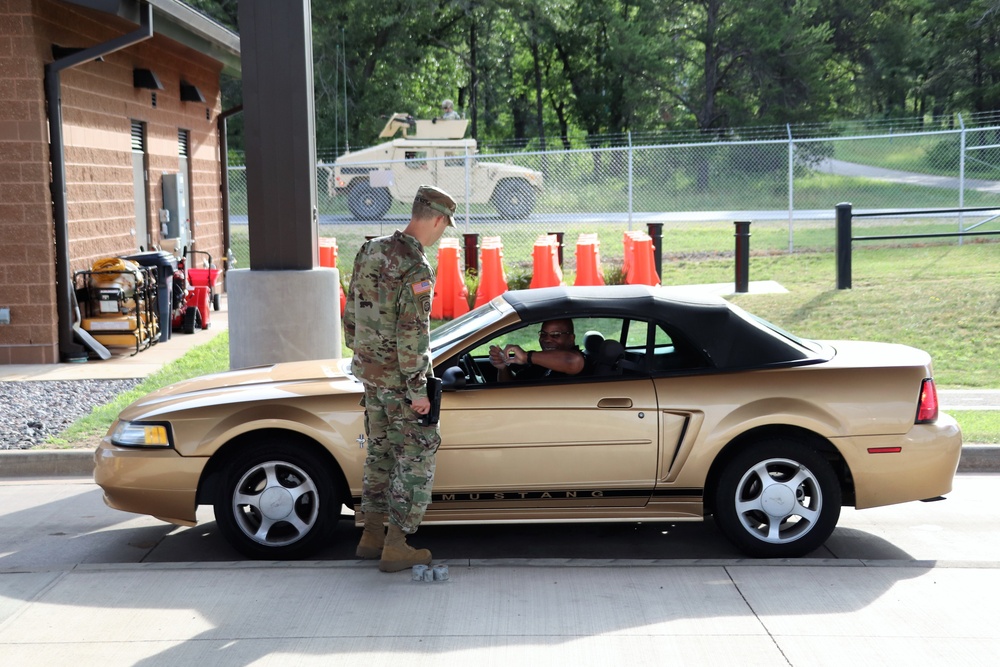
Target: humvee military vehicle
[373, 177]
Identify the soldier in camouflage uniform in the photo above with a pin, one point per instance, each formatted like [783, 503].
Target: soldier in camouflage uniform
[387, 324]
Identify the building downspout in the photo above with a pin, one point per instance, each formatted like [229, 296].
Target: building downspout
[224, 180]
[69, 350]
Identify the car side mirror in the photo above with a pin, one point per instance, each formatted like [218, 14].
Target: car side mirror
[453, 379]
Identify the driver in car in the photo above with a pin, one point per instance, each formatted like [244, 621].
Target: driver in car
[559, 356]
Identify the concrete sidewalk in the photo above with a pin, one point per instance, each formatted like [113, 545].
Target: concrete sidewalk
[498, 612]
[123, 364]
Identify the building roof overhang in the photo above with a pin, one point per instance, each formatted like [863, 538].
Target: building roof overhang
[184, 24]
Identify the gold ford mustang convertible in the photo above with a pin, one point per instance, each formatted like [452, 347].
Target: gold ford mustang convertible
[687, 406]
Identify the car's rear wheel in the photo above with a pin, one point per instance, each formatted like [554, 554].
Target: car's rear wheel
[514, 198]
[778, 499]
[366, 202]
[276, 502]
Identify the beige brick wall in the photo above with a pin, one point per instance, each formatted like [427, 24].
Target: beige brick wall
[99, 103]
[27, 254]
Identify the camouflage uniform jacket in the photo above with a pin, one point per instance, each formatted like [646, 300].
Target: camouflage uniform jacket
[387, 314]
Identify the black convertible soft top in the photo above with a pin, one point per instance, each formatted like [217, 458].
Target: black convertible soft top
[730, 337]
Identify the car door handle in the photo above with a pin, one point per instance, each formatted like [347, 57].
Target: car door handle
[615, 403]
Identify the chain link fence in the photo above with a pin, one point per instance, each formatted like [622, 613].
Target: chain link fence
[787, 187]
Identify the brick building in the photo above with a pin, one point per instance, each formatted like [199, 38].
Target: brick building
[147, 108]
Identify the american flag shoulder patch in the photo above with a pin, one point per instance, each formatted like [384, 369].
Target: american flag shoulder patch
[422, 287]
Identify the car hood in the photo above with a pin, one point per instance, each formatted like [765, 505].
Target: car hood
[249, 384]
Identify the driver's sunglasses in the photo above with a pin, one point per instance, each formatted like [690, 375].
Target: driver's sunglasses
[555, 335]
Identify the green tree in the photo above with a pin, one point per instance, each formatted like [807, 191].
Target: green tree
[613, 56]
[397, 56]
[752, 62]
[878, 54]
[527, 70]
[964, 63]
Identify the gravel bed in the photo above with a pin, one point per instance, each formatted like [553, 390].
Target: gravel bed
[32, 411]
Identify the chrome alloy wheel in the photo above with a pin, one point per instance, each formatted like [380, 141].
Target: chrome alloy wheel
[275, 503]
[779, 500]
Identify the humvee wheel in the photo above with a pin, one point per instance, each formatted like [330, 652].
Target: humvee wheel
[368, 203]
[514, 198]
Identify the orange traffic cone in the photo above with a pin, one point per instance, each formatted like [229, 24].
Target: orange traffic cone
[546, 260]
[328, 251]
[641, 270]
[492, 280]
[451, 296]
[588, 261]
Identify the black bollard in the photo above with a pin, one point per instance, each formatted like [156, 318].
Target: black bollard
[559, 240]
[844, 217]
[471, 253]
[742, 256]
[655, 231]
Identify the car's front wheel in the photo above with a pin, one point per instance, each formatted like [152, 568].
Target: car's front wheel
[777, 499]
[276, 502]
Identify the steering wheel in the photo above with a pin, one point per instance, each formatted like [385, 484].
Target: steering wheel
[471, 369]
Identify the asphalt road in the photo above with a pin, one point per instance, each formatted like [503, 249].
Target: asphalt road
[843, 168]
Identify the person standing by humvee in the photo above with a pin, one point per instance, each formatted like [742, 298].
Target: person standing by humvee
[387, 324]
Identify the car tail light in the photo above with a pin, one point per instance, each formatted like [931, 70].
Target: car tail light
[927, 409]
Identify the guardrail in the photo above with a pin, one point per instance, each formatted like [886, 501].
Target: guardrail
[845, 238]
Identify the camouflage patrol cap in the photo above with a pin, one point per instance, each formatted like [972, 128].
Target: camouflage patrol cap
[439, 200]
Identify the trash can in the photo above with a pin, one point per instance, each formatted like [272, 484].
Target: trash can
[165, 264]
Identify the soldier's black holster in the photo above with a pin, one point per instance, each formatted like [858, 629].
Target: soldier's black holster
[434, 396]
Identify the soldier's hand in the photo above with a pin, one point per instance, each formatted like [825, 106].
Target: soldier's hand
[421, 405]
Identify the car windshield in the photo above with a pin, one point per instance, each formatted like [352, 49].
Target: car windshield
[461, 327]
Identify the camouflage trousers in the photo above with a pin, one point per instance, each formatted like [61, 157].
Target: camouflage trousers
[399, 468]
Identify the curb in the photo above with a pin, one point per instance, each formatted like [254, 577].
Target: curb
[46, 463]
[80, 462]
[980, 458]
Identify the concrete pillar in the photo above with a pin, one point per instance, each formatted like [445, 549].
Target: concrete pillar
[283, 308]
[285, 316]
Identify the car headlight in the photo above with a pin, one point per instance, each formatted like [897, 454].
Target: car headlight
[141, 434]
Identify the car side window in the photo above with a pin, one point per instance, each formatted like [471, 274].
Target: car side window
[670, 353]
[589, 334]
[649, 347]
[634, 337]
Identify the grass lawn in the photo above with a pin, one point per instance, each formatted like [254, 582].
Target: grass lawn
[944, 299]
[981, 427]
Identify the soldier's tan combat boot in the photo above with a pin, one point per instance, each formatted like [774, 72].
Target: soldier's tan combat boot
[398, 555]
[373, 539]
